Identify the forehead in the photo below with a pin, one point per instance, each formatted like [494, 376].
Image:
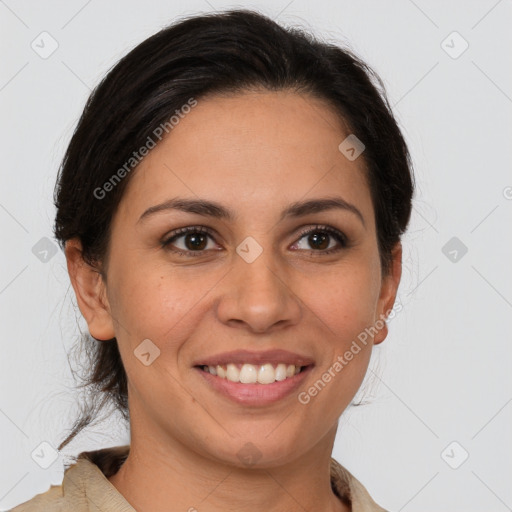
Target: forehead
[256, 148]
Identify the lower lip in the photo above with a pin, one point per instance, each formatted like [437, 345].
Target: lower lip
[255, 394]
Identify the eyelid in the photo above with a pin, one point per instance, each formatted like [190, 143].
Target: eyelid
[328, 229]
[303, 232]
[176, 233]
[186, 229]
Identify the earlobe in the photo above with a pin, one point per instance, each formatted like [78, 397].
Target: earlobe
[388, 293]
[90, 292]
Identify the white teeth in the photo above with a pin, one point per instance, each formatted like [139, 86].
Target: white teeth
[251, 374]
[266, 374]
[248, 374]
[232, 373]
[281, 372]
[221, 372]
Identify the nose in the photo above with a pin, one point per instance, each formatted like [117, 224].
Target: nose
[258, 296]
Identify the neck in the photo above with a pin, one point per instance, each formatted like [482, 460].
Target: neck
[158, 473]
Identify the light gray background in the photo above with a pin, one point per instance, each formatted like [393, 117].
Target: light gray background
[442, 375]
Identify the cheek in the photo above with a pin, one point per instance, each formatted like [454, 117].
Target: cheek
[346, 308]
[345, 301]
[151, 304]
[162, 310]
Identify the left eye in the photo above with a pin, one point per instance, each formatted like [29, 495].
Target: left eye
[319, 236]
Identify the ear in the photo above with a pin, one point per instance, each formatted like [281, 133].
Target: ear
[90, 291]
[388, 293]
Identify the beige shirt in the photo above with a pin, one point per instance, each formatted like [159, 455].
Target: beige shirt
[85, 487]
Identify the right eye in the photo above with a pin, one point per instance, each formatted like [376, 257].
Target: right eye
[195, 239]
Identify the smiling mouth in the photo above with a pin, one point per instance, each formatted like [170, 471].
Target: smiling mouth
[245, 373]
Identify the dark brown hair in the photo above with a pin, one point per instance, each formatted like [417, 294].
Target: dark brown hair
[228, 52]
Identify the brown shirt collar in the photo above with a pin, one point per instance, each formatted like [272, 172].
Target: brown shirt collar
[350, 491]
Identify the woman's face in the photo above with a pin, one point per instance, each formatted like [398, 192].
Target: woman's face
[255, 281]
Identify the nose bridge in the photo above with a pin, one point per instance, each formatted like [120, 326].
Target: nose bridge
[256, 259]
[258, 294]
[262, 275]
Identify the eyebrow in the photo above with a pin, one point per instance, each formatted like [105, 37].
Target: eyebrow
[218, 211]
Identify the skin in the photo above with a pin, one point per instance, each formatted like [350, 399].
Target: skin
[254, 153]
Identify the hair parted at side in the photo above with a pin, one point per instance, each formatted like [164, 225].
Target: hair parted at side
[228, 52]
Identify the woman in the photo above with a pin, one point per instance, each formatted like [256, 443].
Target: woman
[231, 206]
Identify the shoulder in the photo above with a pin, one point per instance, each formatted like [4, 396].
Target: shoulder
[349, 488]
[85, 486]
[53, 500]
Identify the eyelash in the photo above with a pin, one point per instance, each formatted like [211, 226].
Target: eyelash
[337, 235]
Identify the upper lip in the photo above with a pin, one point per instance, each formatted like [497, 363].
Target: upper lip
[275, 356]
